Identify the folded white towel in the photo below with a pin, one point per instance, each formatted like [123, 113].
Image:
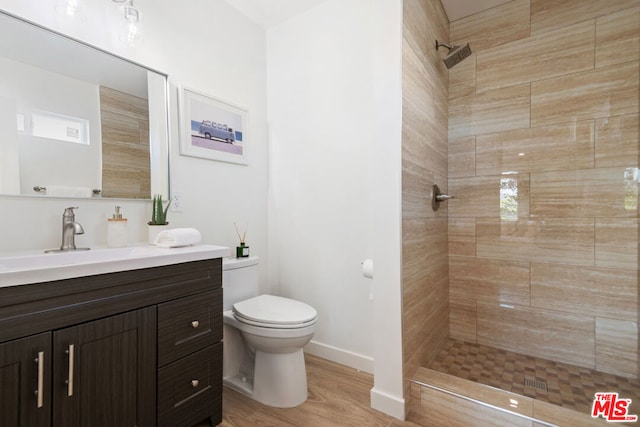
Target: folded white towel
[177, 237]
[68, 191]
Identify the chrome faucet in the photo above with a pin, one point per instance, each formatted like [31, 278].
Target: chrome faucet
[69, 230]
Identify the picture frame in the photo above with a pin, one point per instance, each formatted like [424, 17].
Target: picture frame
[212, 129]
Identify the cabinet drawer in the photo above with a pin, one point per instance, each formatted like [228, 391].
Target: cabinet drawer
[188, 324]
[189, 389]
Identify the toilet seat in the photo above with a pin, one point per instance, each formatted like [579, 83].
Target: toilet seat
[269, 311]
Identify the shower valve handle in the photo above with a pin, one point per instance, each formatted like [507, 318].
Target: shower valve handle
[443, 197]
[438, 198]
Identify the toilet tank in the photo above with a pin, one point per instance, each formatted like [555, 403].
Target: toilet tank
[239, 280]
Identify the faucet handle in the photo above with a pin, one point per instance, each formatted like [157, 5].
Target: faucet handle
[69, 211]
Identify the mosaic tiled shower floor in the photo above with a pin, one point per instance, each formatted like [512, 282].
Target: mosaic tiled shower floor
[566, 385]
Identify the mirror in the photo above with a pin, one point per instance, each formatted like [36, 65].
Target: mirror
[76, 121]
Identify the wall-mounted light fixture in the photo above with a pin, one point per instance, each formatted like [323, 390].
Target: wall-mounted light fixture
[132, 16]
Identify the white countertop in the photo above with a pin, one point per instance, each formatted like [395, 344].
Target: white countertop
[37, 266]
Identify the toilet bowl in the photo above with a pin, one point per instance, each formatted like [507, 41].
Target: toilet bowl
[263, 340]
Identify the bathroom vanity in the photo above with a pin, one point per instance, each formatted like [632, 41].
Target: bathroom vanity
[133, 339]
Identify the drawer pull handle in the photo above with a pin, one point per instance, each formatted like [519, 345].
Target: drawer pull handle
[195, 324]
[195, 383]
[39, 392]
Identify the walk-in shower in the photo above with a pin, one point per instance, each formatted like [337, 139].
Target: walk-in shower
[527, 281]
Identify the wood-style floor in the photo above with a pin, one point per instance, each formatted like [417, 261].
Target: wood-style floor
[338, 396]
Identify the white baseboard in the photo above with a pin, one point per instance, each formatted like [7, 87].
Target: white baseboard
[390, 405]
[341, 356]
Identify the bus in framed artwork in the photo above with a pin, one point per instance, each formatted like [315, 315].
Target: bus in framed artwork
[211, 128]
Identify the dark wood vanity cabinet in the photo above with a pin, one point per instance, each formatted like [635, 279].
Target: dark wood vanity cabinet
[134, 348]
[190, 359]
[22, 375]
[102, 375]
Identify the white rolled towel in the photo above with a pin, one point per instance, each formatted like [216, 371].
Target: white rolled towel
[177, 237]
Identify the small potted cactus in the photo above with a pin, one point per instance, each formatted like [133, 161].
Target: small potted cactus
[158, 218]
[159, 212]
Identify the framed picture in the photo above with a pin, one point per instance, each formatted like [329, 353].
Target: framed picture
[212, 129]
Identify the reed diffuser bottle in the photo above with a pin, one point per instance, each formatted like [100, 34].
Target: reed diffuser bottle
[242, 251]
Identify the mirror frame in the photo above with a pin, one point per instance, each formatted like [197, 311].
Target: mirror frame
[159, 152]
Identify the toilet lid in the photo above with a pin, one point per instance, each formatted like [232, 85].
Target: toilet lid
[270, 309]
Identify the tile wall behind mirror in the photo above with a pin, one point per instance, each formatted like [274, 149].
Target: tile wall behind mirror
[76, 121]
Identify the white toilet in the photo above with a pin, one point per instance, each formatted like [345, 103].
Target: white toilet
[263, 338]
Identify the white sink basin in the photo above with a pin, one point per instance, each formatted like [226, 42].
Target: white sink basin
[45, 267]
[58, 259]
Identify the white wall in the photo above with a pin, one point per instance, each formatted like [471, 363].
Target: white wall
[388, 389]
[334, 103]
[319, 103]
[35, 89]
[10, 148]
[206, 45]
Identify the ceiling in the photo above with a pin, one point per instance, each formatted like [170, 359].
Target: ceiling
[269, 13]
[457, 9]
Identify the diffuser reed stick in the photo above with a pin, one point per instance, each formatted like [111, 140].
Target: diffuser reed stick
[244, 234]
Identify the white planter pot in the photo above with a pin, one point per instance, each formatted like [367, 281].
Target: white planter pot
[154, 230]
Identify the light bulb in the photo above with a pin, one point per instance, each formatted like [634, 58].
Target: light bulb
[131, 14]
[132, 33]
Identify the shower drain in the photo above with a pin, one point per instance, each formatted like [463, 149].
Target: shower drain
[534, 383]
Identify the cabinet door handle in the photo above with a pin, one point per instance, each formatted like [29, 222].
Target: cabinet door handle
[70, 352]
[195, 324]
[195, 383]
[40, 391]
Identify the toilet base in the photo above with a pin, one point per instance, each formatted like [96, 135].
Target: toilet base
[280, 379]
[240, 384]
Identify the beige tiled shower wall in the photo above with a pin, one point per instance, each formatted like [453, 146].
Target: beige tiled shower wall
[126, 169]
[543, 157]
[424, 163]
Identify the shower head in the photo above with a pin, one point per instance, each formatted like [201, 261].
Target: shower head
[456, 53]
